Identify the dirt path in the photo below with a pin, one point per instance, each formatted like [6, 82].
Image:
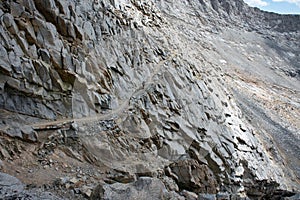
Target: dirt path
[97, 117]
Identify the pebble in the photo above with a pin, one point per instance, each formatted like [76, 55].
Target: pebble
[74, 180]
[77, 190]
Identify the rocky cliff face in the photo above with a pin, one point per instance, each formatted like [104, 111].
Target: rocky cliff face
[183, 100]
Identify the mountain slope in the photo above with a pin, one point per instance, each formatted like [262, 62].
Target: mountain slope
[203, 94]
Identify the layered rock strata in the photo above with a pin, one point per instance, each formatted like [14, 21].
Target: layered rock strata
[202, 96]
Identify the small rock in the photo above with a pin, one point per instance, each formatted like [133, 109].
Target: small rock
[62, 181]
[189, 195]
[294, 197]
[72, 193]
[77, 191]
[74, 180]
[223, 196]
[1, 164]
[87, 191]
[170, 184]
[206, 197]
[239, 171]
[68, 185]
[74, 126]
[122, 177]
[46, 166]
[29, 134]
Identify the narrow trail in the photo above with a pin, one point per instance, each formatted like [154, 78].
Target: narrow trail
[111, 114]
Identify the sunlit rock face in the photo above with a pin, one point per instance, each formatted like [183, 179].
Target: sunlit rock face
[202, 96]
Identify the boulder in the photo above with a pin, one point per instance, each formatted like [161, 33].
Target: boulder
[143, 188]
[192, 176]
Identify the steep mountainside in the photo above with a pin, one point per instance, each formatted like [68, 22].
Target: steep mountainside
[148, 99]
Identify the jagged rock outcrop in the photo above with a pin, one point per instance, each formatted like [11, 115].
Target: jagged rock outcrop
[143, 188]
[203, 95]
[12, 188]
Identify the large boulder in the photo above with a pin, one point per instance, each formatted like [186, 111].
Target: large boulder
[143, 188]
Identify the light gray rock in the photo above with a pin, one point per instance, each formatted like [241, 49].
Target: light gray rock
[143, 188]
[189, 195]
[223, 196]
[294, 197]
[10, 186]
[10, 24]
[202, 196]
[4, 62]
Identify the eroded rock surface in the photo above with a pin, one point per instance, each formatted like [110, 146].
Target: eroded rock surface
[201, 96]
[12, 188]
[143, 188]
